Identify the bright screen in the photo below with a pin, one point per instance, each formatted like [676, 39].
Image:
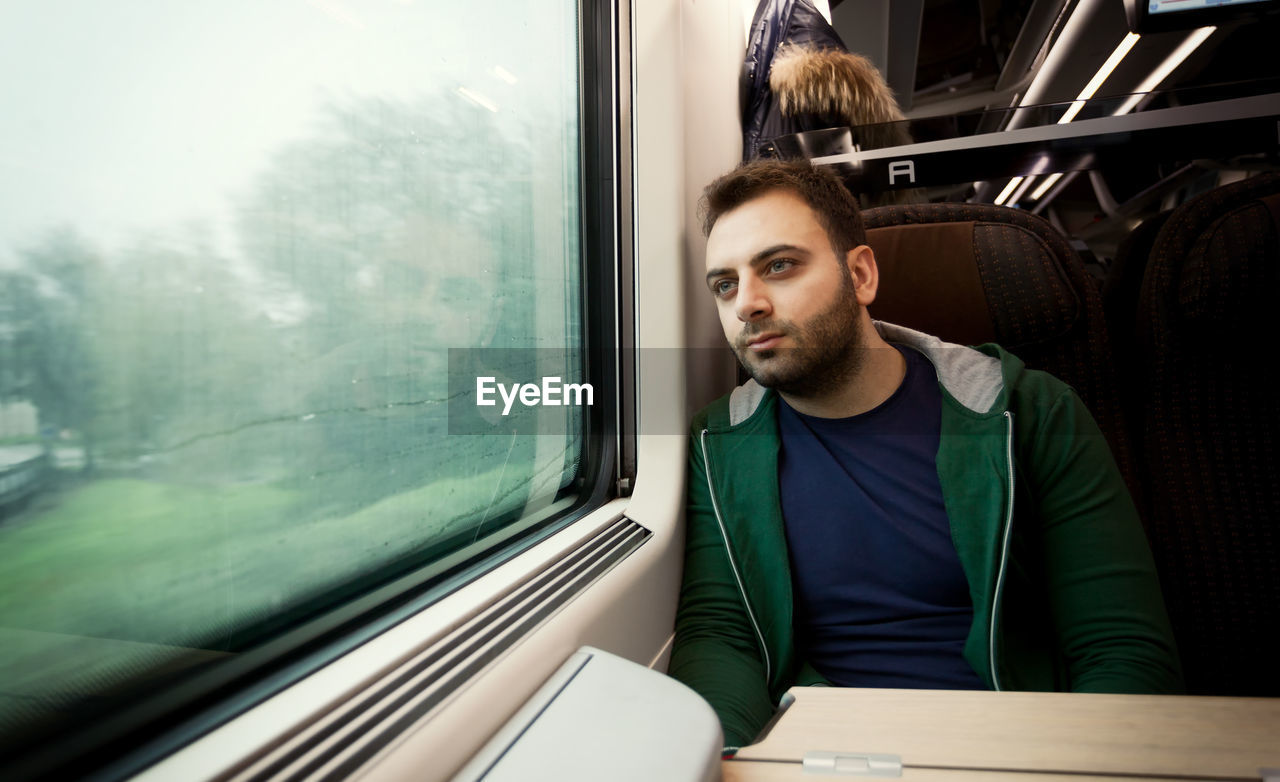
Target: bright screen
[1168, 6]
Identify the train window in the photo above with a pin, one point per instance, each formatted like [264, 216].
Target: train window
[243, 245]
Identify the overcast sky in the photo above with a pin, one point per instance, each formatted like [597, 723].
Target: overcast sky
[134, 115]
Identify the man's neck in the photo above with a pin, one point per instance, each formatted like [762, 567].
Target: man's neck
[879, 375]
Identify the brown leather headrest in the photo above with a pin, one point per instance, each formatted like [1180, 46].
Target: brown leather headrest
[972, 282]
[929, 281]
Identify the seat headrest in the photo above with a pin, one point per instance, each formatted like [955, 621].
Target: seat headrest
[953, 271]
[1215, 267]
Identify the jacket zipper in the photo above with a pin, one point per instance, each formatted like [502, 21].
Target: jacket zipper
[733, 565]
[1004, 552]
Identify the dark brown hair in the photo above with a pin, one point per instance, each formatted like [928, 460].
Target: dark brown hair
[832, 203]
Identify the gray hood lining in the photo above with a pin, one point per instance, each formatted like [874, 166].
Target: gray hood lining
[744, 401]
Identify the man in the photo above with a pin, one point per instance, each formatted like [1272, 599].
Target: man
[880, 508]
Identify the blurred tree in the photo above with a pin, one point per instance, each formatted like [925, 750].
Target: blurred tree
[50, 306]
[363, 217]
[406, 228]
[17, 368]
[368, 248]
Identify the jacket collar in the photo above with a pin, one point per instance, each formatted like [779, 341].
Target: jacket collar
[972, 378]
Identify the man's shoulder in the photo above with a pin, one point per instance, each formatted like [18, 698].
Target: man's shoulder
[1034, 396]
[731, 409]
[714, 415]
[1022, 379]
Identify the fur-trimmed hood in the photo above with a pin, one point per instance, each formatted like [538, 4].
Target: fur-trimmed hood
[776, 23]
[828, 81]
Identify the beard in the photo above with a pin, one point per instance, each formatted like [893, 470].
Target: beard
[827, 350]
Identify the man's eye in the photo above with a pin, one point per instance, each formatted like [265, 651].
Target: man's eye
[724, 287]
[781, 265]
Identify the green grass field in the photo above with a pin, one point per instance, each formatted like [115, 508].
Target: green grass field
[164, 563]
[108, 583]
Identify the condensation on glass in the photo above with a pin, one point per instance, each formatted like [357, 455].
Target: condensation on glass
[238, 241]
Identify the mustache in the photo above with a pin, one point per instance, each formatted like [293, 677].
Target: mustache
[761, 327]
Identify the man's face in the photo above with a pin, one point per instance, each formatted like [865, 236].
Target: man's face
[786, 300]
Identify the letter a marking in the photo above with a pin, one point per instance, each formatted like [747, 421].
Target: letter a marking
[902, 167]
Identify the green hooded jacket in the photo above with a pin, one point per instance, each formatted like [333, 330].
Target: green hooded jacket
[1064, 589]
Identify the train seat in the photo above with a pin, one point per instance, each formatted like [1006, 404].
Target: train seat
[972, 273]
[1120, 292]
[1211, 432]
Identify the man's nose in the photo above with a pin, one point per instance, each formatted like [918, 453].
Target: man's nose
[752, 301]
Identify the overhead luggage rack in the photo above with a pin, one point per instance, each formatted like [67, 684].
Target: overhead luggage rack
[1217, 129]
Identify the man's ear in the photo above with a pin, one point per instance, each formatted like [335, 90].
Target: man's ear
[866, 275]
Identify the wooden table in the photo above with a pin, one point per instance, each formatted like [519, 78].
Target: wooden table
[959, 736]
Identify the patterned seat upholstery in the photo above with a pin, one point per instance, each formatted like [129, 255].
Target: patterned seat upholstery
[1211, 432]
[1120, 293]
[972, 273]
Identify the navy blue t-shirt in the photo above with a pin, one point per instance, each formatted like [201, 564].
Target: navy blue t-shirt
[880, 596]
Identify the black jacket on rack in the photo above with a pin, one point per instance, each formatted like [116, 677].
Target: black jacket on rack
[778, 22]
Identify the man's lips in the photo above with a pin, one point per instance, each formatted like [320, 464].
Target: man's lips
[766, 341]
